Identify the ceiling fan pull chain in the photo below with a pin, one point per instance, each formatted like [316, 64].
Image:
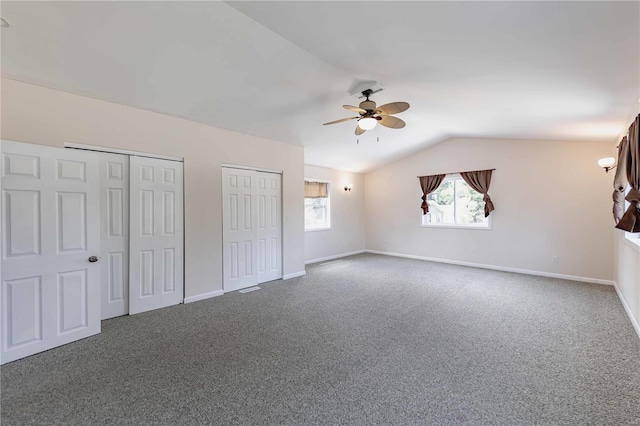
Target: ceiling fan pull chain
[358, 141]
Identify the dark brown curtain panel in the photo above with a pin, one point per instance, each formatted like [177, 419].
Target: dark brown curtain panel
[480, 180]
[428, 185]
[630, 221]
[620, 180]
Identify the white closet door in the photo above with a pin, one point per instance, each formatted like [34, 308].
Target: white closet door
[114, 230]
[50, 245]
[239, 232]
[156, 260]
[269, 226]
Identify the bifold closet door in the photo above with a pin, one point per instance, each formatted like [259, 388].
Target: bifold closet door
[269, 226]
[156, 260]
[239, 234]
[50, 292]
[114, 234]
[252, 227]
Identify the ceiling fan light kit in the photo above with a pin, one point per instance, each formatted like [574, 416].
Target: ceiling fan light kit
[367, 123]
[371, 115]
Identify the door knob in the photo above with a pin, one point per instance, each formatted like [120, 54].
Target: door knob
[93, 259]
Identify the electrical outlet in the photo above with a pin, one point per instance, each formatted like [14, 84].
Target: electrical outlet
[554, 259]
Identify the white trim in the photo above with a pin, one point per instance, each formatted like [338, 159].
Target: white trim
[294, 275]
[203, 296]
[257, 169]
[452, 226]
[627, 309]
[328, 198]
[120, 151]
[249, 289]
[634, 243]
[337, 256]
[498, 268]
[489, 227]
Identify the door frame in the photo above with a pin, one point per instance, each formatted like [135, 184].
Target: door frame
[255, 169]
[73, 145]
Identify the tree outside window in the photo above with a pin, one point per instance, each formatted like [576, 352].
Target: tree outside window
[455, 203]
[317, 214]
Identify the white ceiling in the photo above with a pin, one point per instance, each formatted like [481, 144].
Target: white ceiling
[542, 70]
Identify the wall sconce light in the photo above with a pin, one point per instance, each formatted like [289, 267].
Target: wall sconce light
[607, 163]
[348, 187]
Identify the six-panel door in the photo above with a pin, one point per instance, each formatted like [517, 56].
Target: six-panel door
[50, 229]
[114, 234]
[239, 251]
[269, 226]
[156, 259]
[252, 227]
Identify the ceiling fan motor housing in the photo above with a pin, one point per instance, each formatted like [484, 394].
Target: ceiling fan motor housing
[368, 105]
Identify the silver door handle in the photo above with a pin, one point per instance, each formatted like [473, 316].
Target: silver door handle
[93, 259]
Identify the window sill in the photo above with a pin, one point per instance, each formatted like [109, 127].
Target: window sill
[633, 242]
[317, 229]
[475, 228]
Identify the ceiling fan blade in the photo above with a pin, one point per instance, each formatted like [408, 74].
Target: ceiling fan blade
[359, 131]
[354, 109]
[340, 121]
[391, 122]
[393, 108]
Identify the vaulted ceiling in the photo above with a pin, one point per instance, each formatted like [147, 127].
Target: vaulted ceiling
[539, 70]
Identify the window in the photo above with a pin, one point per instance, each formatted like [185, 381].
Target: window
[631, 237]
[456, 204]
[317, 206]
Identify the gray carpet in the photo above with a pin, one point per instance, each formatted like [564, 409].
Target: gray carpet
[364, 340]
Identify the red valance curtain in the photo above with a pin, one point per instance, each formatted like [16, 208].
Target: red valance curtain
[428, 185]
[630, 221]
[480, 180]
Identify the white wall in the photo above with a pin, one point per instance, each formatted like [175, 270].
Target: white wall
[347, 233]
[551, 199]
[43, 116]
[627, 275]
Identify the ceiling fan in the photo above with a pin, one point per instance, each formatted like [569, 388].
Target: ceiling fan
[370, 115]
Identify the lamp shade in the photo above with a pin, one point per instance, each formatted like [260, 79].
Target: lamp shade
[367, 123]
[607, 162]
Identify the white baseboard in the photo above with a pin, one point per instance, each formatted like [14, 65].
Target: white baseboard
[498, 268]
[627, 309]
[203, 296]
[324, 259]
[294, 275]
